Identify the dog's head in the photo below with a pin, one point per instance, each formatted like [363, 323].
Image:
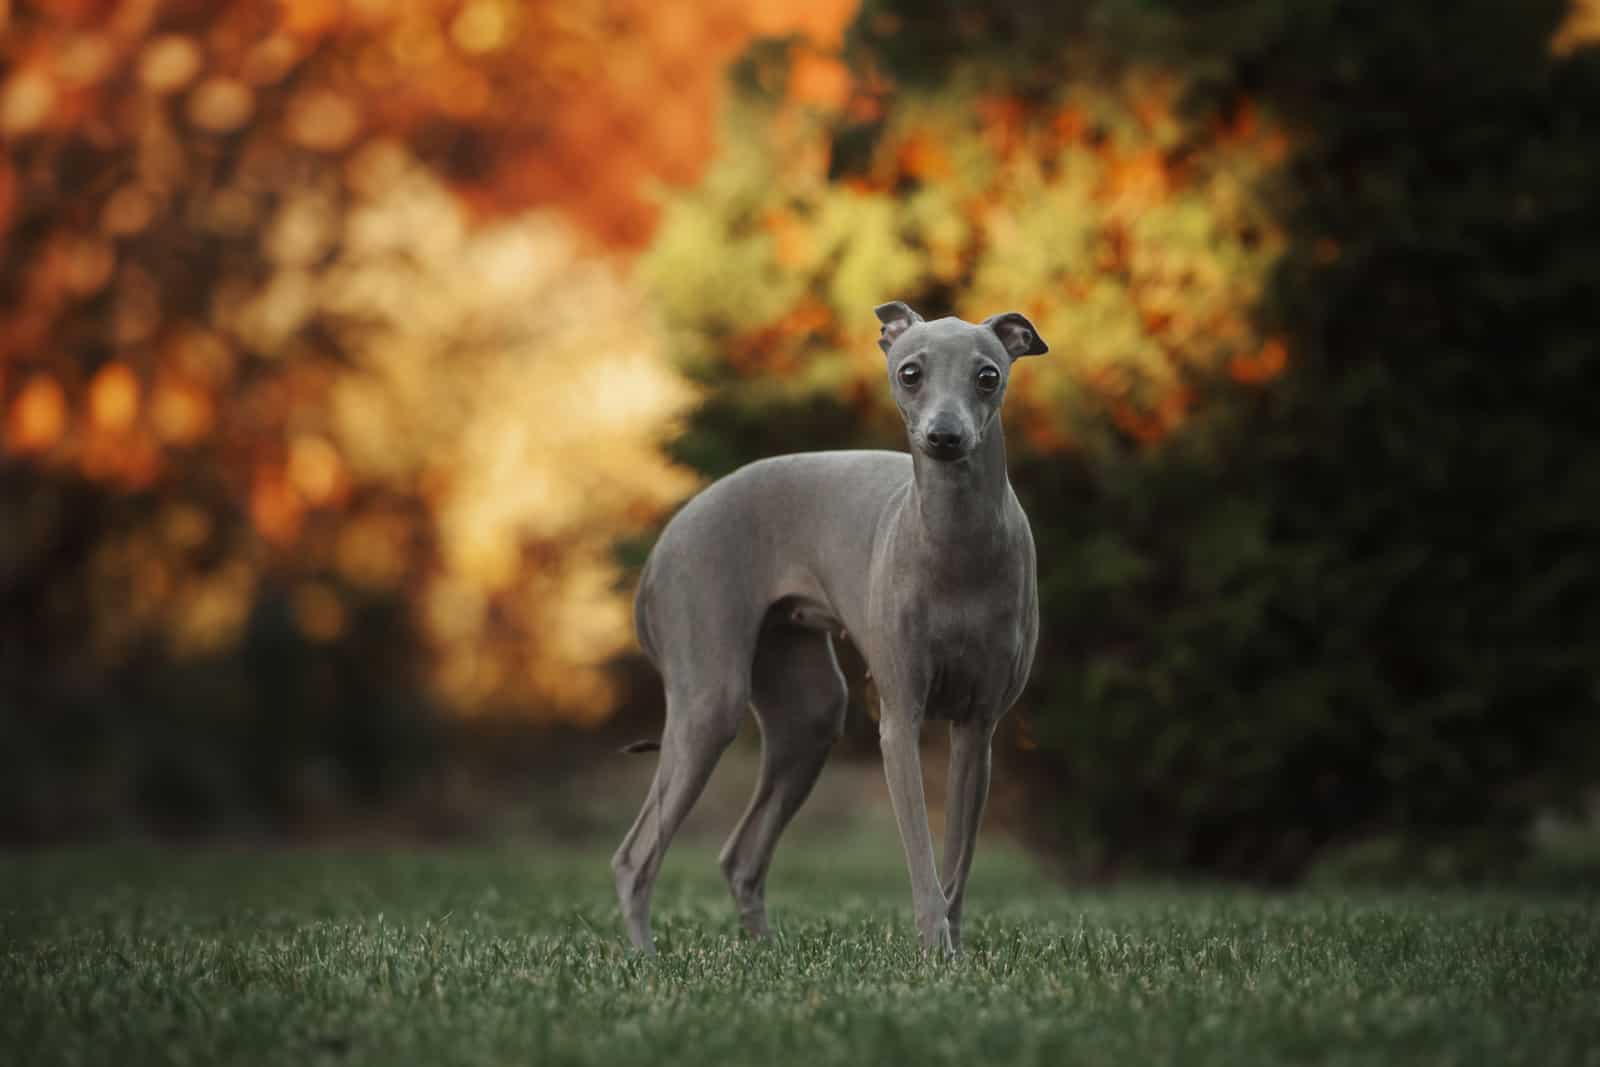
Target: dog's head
[948, 376]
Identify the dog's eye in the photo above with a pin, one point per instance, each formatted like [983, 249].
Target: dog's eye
[988, 379]
[910, 375]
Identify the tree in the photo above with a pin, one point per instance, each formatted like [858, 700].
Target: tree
[312, 310]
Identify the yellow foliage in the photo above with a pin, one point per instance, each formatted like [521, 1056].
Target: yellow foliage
[1139, 261]
[329, 281]
[520, 373]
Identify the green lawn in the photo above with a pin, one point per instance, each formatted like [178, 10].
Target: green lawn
[143, 955]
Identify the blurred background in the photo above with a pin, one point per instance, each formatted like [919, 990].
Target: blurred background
[352, 352]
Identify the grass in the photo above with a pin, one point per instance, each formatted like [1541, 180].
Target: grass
[513, 955]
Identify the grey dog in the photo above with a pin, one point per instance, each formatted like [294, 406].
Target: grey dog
[925, 561]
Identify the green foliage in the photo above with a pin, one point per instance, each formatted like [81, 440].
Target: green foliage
[515, 957]
[1312, 466]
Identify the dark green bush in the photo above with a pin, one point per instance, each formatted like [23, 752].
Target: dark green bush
[1375, 606]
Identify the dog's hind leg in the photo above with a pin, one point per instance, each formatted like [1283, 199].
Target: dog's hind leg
[799, 696]
[700, 725]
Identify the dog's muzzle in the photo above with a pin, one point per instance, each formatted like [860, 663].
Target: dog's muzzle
[944, 445]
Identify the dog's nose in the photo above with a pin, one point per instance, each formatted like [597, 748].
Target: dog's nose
[945, 440]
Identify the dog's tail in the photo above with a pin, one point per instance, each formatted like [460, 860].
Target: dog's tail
[640, 746]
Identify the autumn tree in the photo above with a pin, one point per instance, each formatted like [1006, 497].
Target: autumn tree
[314, 309]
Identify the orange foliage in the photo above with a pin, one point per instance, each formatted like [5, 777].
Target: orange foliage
[315, 470]
[1242, 125]
[1261, 367]
[1070, 124]
[38, 416]
[318, 611]
[275, 508]
[778, 348]
[1134, 182]
[791, 237]
[181, 411]
[310, 18]
[1580, 29]
[549, 102]
[818, 79]
[1244, 129]
[1044, 433]
[1155, 102]
[1003, 120]
[922, 157]
[113, 398]
[1152, 426]
[188, 192]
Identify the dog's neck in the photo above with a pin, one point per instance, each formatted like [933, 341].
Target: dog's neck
[962, 506]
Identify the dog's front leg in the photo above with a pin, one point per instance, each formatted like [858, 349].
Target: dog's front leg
[902, 765]
[967, 791]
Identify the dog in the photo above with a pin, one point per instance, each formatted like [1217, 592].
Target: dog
[926, 561]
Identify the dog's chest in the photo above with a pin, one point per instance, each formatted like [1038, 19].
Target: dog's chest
[970, 656]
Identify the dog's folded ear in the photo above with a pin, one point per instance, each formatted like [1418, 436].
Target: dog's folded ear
[1017, 334]
[897, 317]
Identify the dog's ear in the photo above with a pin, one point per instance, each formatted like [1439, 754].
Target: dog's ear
[897, 317]
[1017, 334]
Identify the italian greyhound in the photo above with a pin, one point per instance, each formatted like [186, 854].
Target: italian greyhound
[925, 560]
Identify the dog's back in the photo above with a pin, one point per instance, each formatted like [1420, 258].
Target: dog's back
[796, 528]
